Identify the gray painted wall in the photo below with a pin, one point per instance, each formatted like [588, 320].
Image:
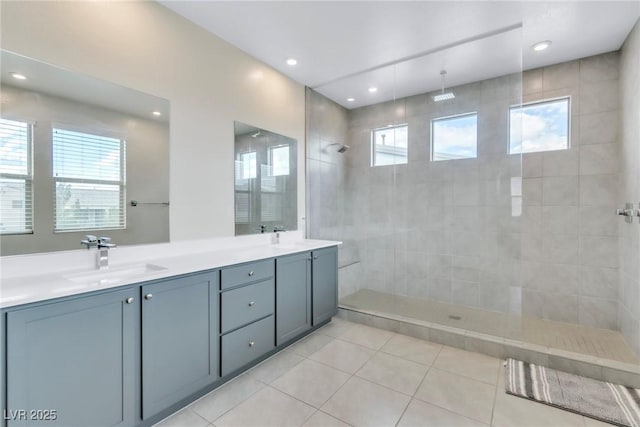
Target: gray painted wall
[629, 242]
[147, 151]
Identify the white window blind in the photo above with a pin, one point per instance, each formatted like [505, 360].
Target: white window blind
[16, 194]
[89, 181]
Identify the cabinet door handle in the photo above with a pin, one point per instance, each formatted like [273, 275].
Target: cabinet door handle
[148, 296]
[315, 257]
[130, 300]
[251, 343]
[252, 303]
[251, 273]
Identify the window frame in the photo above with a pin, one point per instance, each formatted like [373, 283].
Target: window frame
[540, 101]
[271, 158]
[451, 117]
[28, 177]
[122, 183]
[373, 144]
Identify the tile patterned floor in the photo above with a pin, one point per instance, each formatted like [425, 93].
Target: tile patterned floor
[350, 374]
[601, 343]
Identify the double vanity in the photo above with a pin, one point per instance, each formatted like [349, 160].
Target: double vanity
[132, 344]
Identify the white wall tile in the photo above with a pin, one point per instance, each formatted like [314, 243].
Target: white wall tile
[562, 191]
[599, 251]
[599, 128]
[599, 97]
[599, 159]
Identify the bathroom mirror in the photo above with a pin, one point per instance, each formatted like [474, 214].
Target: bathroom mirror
[265, 181]
[79, 156]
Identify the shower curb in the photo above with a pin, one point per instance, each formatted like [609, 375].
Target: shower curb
[491, 345]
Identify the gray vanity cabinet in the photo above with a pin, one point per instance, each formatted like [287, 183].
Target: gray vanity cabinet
[128, 357]
[325, 284]
[179, 339]
[293, 296]
[72, 363]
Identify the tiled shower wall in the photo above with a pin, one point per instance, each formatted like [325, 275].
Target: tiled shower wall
[629, 289]
[327, 124]
[532, 234]
[569, 231]
[439, 230]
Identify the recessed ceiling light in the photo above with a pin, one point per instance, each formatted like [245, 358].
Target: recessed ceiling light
[157, 113]
[373, 89]
[18, 76]
[540, 46]
[292, 61]
[350, 99]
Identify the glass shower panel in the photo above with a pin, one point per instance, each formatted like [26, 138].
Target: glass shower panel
[427, 199]
[473, 197]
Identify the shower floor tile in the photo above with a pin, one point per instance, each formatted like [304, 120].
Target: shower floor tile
[600, 343]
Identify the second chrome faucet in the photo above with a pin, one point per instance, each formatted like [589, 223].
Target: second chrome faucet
[103, 244]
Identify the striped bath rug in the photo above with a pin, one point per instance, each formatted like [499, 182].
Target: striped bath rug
[601, 400]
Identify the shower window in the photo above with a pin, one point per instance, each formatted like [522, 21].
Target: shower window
[454, 137]
[539, 126]
[389, 145]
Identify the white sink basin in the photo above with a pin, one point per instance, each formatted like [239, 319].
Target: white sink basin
[114, 274]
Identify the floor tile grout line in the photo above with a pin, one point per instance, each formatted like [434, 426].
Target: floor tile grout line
[438, 406]
[495, 395]
[238, 403]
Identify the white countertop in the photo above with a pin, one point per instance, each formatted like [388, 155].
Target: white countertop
[20, 285]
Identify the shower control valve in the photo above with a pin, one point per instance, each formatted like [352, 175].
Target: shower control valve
[628, 212]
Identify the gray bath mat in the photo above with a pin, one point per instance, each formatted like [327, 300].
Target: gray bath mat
[601, 400]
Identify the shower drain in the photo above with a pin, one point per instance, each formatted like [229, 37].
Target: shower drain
[454, 317]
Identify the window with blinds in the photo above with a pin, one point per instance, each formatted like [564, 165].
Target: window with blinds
[89, 181]
[16, 177]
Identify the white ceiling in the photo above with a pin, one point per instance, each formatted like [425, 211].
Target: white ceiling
[344, 47]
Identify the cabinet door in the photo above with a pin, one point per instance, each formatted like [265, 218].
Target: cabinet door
[179, 339]
[293, 296]
[325, 284]
[74, 357]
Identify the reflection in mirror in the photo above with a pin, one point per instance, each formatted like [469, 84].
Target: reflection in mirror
[266, 186]
[76, 152]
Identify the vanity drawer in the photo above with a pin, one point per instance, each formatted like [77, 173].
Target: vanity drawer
[247, 344]
[244, 305]
[246, 273]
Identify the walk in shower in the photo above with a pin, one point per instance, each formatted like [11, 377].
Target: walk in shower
[488, 214]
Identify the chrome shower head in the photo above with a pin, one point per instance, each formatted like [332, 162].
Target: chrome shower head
[342, 148]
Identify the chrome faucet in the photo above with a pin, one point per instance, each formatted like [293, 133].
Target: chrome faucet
[103, 244]
[102, 259]
[89, 241]
[275, 237]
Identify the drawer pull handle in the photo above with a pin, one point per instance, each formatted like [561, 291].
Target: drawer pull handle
[148, 296]
[252, 303]
[251, 343]
[130, 300]
[251, 273]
